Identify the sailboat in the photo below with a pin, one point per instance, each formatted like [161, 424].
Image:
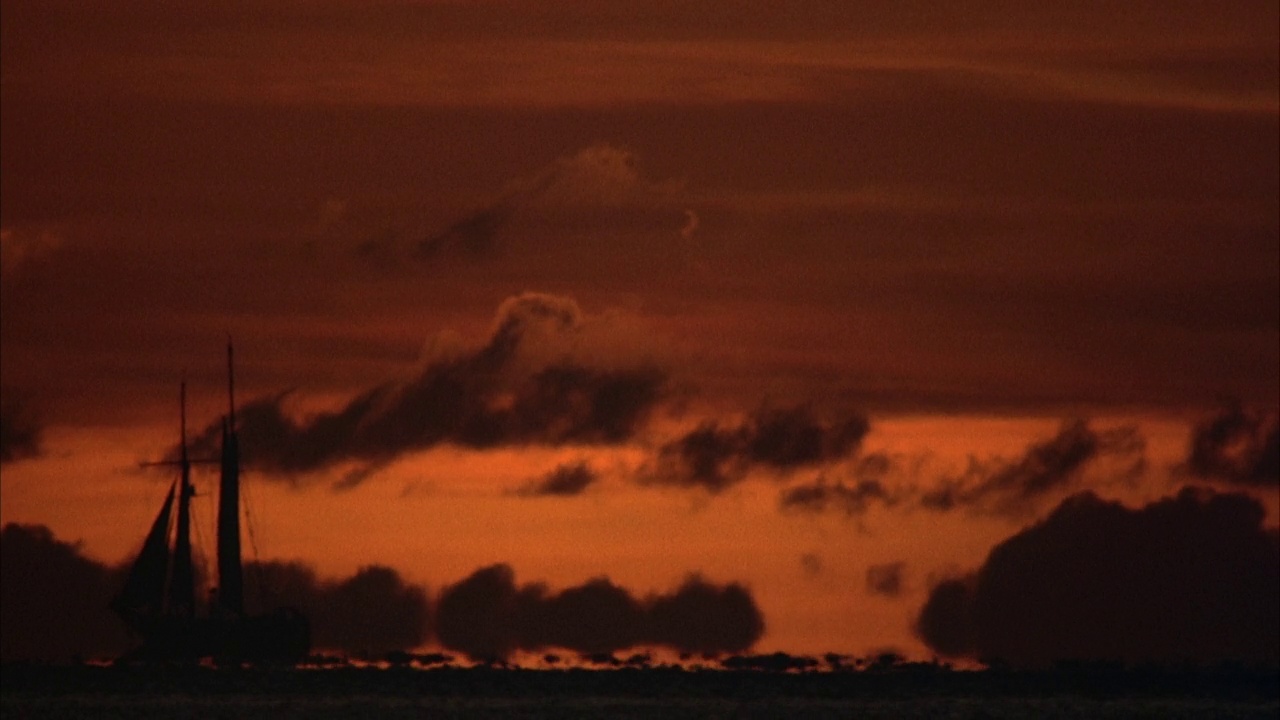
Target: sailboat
[158, 600]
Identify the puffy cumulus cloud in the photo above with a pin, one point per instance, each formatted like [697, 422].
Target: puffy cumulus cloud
[54, 599]
[1013, 487]
[1191, 578]
[1238, 446]
[510, 391]
[600, 182]
[20, 430]
[714, 456]
[488, 616]
[564, 481]
[886, 579]
[372, 612]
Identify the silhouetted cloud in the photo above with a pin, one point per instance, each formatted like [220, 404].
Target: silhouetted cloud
[866, 486]
[820, 496]
[487, 616]
[518, 388]
[19, 428]
[53, 599]
[1238, 446]
[56, 602]
[370, 612]
[713, 457]
[1194, 577]
[565, 480]
[1046, 467]
[886, 579]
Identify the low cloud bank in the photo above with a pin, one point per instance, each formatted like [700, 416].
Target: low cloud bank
[488, 616]
[55, 602]
[1192, 578]
[55, 608]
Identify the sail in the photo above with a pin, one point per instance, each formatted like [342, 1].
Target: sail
[182, 583]
[143, 593]
[230, 573]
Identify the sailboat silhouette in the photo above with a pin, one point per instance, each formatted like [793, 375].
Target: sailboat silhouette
[158, 600]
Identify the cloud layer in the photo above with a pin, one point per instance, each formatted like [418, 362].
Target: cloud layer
[714, 456]
[488, 616]
[1237, 446]
[370, 613]
[19, 430]
[54, 599]
[1046, 467]
[1194, 578]
[516, 389]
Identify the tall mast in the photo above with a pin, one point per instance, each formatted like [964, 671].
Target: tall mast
[230, 571]
[182, 590]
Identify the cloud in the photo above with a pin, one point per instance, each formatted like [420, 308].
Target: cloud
[54, 599]
[20, 430]
[597, 179]
[820, 496]
[715, 457]
[886, 579]
[564, 481]
[811, 564]
[1194, 577]
[370, 613]
[867, 487]
[1046, 467]
[487, 616]
[529, 384]
[1237, 446]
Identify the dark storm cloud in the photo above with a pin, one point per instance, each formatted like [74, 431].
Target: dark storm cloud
[53, 599]
[886, 579]
[1237, 446]
[713, 456]
[19, 429]
[1046, 467]
[487, 616]
[370, 613]
[565, 480]
[493, 396]
[1192, 578]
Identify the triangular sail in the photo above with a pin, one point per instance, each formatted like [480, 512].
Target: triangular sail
[182, 585]
[143, 593]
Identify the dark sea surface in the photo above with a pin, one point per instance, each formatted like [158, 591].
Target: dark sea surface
[671, 694]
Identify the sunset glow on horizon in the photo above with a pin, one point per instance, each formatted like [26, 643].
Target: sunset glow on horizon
[836, 313]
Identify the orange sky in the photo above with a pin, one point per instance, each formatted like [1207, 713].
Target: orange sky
[965, 226]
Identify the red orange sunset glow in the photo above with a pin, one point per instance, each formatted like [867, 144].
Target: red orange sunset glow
[820, 304]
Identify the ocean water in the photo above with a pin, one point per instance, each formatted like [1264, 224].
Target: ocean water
[622, 694]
